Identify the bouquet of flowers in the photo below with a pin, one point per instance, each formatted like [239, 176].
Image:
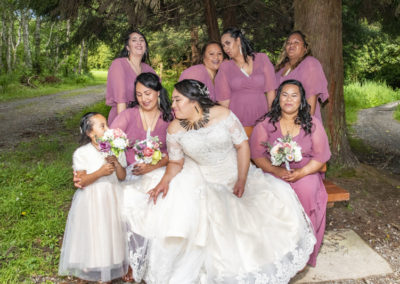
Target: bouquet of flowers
[148, 150]
[113, 142]
[285, 150]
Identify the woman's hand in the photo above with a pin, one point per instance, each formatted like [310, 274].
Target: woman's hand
[293, 175]
[280, 172]
[238, 189]
[161, 187]
[141, 169]
[77, 179]
[107, 169]
[112, 160]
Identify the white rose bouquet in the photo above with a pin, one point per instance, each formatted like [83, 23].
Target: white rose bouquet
[113, 142]
[284, 150]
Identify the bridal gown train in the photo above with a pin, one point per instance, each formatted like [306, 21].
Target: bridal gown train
[201, 232]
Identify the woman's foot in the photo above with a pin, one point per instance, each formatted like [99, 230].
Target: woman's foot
[128, 276]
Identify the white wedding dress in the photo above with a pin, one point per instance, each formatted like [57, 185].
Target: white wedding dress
[201, 232]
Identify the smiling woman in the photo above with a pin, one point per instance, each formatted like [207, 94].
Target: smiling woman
[123, 72]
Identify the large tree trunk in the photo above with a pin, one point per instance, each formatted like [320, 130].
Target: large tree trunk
[2, 33]
[36, 64]
[322, 22]
[85, 58]
[194, 41]
[229, 14]
[9, 46]
[15, 46]
[25, 36]
[211, 20]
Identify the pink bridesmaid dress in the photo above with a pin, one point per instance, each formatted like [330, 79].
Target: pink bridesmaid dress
[246, 92]
[121, 83]
[309, 189]
[131, 123]
[199, 72]
[311, 75]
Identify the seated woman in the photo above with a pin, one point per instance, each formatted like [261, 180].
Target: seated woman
[290, 115]
[149, 116]
[219, 220]
[211, 58]
[296, 63]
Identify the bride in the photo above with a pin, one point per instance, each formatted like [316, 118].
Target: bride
[219, 219]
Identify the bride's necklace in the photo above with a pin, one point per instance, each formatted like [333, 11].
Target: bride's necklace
[189, 125]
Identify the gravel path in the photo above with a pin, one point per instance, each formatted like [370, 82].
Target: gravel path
[22, 119]
[377, 128]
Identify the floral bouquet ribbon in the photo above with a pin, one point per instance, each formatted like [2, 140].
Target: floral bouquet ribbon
[113, 142]
[284, 150]
[148, 150]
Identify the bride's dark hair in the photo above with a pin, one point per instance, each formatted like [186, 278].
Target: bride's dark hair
[303, 118]
[195, 91]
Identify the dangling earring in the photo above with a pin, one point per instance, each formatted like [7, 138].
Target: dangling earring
[241, 53]
[195, 107]
[159, 102]
[301, 107]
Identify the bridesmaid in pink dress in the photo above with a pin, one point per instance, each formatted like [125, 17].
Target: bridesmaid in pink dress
[290, 115]
[211, 58]
[296, 62]
[123, 72]
[241, 83]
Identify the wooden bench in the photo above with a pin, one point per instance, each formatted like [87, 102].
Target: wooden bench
[335, 192]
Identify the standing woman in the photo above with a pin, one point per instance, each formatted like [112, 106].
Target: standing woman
[241, 83]
[123, 72]
[296, 62]
[211, 58]
[290, 115]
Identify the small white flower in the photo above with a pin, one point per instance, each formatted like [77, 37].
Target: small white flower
[119, 143]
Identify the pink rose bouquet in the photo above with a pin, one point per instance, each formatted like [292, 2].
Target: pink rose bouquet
[284, 150]
[148, 151]
[113, 142]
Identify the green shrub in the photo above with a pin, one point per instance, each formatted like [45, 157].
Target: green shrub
[396, 114]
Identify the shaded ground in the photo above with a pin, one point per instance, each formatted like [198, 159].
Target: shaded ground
[380, 134]
[26, 118]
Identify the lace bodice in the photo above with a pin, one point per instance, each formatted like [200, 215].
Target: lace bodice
[208, 145]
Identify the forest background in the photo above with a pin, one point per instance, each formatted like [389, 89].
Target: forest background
[51, 45]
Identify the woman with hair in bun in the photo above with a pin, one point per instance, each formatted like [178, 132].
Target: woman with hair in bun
[123, 72]
[290, 115]
[211, 58]
[219, 219]
[243, 81]
[296, 62]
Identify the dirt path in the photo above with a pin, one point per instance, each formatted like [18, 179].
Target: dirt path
[25, 118]
[377, 128]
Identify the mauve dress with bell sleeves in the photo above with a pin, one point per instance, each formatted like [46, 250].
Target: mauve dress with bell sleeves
[199, 72]
[130, 122]
[246, 94]
[309, 189]
[311, 75]
[121, 83]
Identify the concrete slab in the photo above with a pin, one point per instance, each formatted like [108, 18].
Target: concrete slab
[344, 255]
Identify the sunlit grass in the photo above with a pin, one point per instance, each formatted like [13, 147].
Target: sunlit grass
[396, 114]
[15, 90]
[367, 94]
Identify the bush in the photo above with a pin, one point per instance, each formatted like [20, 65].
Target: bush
[5, 81]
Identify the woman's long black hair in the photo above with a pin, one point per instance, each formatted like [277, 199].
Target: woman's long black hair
[152, 81]
[247, 46]
[303, 116]
[85, 126]
[196, 91]
[125, 53]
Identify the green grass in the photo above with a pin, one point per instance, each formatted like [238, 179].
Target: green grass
[35, 194]
[367, 94]
[14, 90]
[396, 114]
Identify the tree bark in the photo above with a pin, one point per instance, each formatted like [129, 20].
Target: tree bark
[322, 22]
[1, 41]
[25, 37]
[229, 15]
[15, 46]
[85, 58]
[81, 56]
[211, 20]
[194, 41]
[36, 64]
[9, 47]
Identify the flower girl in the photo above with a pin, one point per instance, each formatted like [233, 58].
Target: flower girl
[94, 246]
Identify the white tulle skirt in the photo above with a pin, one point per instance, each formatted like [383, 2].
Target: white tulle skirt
[202, 233]
[94, 246]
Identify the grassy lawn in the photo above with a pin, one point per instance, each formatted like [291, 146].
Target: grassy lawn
[35, 195]
[368, 94]
[14, 90]
[396, 114]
